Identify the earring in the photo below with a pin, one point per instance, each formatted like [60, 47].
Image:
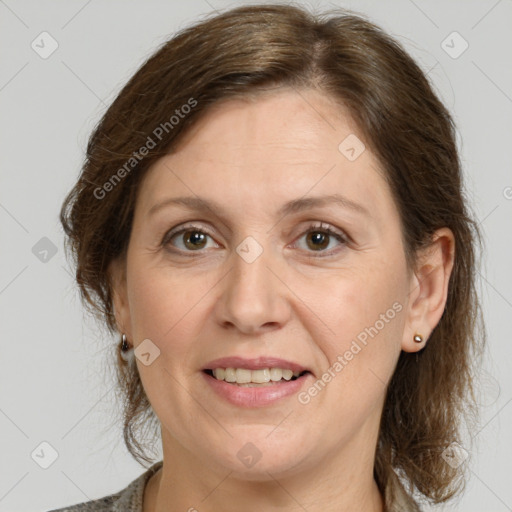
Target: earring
[125, 349]
[418, 338]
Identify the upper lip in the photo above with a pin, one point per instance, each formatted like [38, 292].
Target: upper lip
[257, 363]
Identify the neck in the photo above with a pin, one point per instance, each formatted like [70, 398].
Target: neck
[343, 482]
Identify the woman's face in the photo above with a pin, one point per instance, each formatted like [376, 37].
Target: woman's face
[255, 276]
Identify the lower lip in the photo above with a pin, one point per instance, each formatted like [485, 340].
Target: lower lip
[255, 396]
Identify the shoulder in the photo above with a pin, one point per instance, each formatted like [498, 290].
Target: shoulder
[129, 499]
[105, 504]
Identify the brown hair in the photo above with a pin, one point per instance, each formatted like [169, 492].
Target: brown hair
[238, 54]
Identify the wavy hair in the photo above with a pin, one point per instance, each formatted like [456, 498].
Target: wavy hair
[239, 54]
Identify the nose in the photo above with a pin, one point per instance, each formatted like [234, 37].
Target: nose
[253, 298]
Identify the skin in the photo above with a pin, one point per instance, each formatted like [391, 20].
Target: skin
[290, 302]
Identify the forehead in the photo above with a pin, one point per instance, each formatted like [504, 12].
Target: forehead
[287, 120]
[276, 147]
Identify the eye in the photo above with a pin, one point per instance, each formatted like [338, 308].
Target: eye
[319, 238]
[188, 239]
[191, 238]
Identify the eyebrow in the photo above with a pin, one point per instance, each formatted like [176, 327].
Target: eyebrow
[296, 205]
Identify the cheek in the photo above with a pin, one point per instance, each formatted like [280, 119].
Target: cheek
[153, 305]
[366, 314]
[351, 301]
[164, 304]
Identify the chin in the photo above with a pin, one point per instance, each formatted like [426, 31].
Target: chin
[258, 458]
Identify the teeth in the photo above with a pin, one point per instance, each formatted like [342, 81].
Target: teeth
[245, 376]
[219, 373]
[242, 376]
[230, 375]
[259, 376]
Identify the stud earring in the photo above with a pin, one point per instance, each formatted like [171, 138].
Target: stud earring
[418, 338]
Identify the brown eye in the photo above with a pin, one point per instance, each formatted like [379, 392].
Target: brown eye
[194, 239]
[189, 239]
[317, 240]
[322, 239]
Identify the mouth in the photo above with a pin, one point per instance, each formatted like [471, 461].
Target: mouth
[244, 377]
[255, 383]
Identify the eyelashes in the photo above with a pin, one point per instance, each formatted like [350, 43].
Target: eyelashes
[326, 232]
[197, 235]
[189, 228]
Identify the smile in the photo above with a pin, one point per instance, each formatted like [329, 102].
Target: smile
[249, 378]
[251, 394]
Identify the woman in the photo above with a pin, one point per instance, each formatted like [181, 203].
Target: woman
[271, 216]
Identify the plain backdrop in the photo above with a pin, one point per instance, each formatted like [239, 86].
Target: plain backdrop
[54, 385]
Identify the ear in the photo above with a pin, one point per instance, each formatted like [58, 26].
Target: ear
[117, 274]
[429, 289]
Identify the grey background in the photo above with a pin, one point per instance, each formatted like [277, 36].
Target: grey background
[55, 386]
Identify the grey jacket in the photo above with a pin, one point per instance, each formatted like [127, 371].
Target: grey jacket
[130, 498]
